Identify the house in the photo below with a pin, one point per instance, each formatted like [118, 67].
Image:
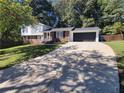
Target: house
[34, 33]
[41, 33]
[58, 34]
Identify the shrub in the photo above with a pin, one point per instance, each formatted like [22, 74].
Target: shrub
[116, 28]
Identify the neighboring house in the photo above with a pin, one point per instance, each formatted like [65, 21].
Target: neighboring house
[41, 33]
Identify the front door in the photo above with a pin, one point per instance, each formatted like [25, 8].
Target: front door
[53, 35]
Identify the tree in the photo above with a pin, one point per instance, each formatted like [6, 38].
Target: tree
[13, 15]
[112, 11]
[67, 13]
[86, 13]
[44, 11]
[87, 22]
[116, 28]
[78, 12]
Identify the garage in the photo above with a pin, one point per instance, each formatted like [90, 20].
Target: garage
[85, 34]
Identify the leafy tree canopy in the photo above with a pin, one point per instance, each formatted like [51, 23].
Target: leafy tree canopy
[86, 13]
[13, 14]
[44, 11]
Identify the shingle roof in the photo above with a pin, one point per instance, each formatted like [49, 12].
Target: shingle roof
[88, 28]
[62, 29]
[73, 29]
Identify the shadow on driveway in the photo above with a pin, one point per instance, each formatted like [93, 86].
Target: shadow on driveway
[64, 70]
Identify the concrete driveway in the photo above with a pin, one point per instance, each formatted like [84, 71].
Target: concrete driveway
[76, 67]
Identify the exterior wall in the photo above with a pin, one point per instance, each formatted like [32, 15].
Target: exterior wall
[66, 33]
[33, 39]
[29, 30]
[34, 30]
[34, 34]
[47, 37]
[66, 36]
[62, 36]
[53, 36]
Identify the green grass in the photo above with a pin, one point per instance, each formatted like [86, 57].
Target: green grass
[118, 47]
[14, 55]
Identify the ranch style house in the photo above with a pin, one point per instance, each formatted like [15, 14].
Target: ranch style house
[41, 33]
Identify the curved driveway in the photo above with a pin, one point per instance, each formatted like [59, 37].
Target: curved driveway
[76, 67]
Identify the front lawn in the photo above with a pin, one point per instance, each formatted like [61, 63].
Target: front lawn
[118, 47]
[14, 55]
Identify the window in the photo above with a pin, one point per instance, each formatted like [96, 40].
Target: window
[57, 34]
[44, 35]
[36, 37]
[61, 34]
[48, 34]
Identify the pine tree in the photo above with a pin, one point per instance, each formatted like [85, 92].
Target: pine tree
[43, 10]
